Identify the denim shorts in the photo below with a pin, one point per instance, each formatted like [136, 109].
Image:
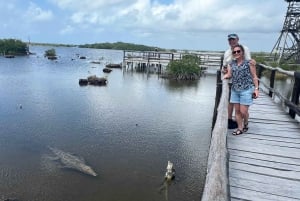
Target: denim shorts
[243, 97]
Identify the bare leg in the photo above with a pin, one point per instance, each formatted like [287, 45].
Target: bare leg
[245, 114]
[238, 116]
[230, 110]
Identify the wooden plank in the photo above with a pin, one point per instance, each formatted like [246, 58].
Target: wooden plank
[216, 182]
[264, 115]
[260, 178]
[264, 163]
[266, 120]
[265, 157]
[245, 194]
[272, 138]
[276, 125]
[289, 192]
[264, 149]
[270, 131]
[258, 140]
[280, 173]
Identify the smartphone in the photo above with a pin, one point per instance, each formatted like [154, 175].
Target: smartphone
[254, 95]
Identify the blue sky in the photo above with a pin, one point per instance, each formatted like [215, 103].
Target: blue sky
[172, 24]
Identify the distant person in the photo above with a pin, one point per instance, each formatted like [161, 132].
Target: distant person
[233, 40]
[244, 87]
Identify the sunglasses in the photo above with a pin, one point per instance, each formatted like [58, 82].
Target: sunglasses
[235, 52]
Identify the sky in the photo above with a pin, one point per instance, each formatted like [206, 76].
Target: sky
[170, 24]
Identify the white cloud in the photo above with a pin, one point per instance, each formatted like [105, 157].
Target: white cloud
[181, 15]
[67, 30]
[35, 13]
[165, 22]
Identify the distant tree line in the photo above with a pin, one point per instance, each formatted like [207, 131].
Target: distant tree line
[53, 44]
[13, 47]
[121, 46]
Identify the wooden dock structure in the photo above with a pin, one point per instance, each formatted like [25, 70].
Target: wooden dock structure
[157, 61]
[263, 163]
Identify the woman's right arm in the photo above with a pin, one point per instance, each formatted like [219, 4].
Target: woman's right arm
[228, 74]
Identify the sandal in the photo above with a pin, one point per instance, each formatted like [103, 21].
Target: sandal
[237, 132]
[245, 129]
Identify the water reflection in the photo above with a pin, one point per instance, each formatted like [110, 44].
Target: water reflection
[126, 131]
[284, 86]
[182, 85]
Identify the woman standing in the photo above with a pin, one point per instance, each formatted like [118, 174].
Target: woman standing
[244, 87]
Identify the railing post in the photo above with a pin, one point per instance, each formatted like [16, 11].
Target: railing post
[272, 80]
[296, 93]
[217, 183]
[124, 54]
[260, 70]
[218, 97]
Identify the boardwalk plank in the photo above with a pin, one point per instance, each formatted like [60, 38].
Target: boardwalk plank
[257, 140]
[245, 194]
[280, 173]
[265, 157]
[264, 163]
[260, 178]
[271, 131]
[265, 149]
[269, 188]
[272, 138]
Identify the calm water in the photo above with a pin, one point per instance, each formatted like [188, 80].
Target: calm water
[126, 131]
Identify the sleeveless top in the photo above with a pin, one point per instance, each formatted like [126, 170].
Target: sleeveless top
[241, 76]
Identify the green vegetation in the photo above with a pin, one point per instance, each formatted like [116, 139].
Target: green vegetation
[188, 68]
[121, 46]
[13, 47]
[50, 54]
[53, 44]
[267, 59]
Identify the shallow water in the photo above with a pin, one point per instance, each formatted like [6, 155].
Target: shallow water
[126, 131]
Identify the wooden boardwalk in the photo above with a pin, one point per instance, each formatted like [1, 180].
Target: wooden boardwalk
[264, 163]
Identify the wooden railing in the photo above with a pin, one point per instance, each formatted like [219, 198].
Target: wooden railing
[293, 102]
[216, 184]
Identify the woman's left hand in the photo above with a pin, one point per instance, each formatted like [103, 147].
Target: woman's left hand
[255, 94]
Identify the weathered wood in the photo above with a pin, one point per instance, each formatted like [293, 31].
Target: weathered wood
[295, 94]
[217, 98]
[264, 157]
[264, 163]
[289, 73]
[266, 187]
[162, 59]
[216, 184]
[272, 138]
[245, 194]
[292, 104]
